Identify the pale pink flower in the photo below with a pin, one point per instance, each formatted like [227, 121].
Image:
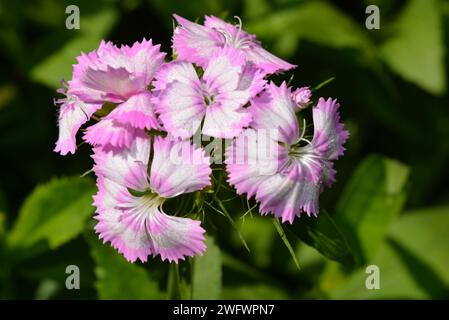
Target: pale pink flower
[197, 43]
[302, 167]
[183, 100]
[129, 201]
[118, 75]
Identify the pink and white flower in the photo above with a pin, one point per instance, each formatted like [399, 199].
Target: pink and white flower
[217, 99]
[118, 75]
[130, 201]
[303, 167]
[197, 43]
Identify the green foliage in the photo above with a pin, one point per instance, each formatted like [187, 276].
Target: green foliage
[392, 86]
[55, 212]
[119, 279]
[206, 282]
[412, 261]
[323, 234]
[371, 201]
[415, 46]
[58, 65]
[326, 25]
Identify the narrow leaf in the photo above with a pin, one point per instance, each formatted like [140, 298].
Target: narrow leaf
[225, 212]
[284, 238]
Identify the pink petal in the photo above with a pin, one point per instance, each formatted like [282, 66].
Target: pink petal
[137, 111]
[251, 80]
[193, 42]
[329, 133]
[178, 167]
[72, 115]
[285, 198]
[127, 166]
[223, 70]
[226, 118]
[176, 70]
[274, 109]
[253, 157]
[109, 132]
[112, 74]
[266, 61]
[175, 238]
[144, 59]
[214, 22]
[133, 244]
[108, 85]
[181, 108]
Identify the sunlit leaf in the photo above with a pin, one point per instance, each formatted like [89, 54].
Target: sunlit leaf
[415, 49]
[316, 21]
[370, 202]
[58, 65]
[412, 262]
[55, 212]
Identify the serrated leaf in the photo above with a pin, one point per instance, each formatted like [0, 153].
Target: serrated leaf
[416, 48]
[118, 278]
[58, 65]
[324, 235]
[55, 212]
[370, 202]
[207, 273]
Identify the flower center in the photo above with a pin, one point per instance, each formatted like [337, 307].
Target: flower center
[208, 94]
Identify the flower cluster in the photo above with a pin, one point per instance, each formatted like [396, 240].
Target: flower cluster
[142, 111]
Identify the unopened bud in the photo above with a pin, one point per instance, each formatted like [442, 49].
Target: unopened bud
[302, 97]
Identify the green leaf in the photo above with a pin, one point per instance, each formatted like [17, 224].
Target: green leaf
[370, 202]
[284, 238]
[2, 225]
[93, 28]
[323, 234]
[261, 247]
[412, 262]
[118, 278]
[180, 281]
[258, 291]
[206, 282]
[56, 212]
[254, 9]
[311, 21]
[416, 48]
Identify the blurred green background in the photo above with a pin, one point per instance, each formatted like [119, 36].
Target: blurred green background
[389, 207]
